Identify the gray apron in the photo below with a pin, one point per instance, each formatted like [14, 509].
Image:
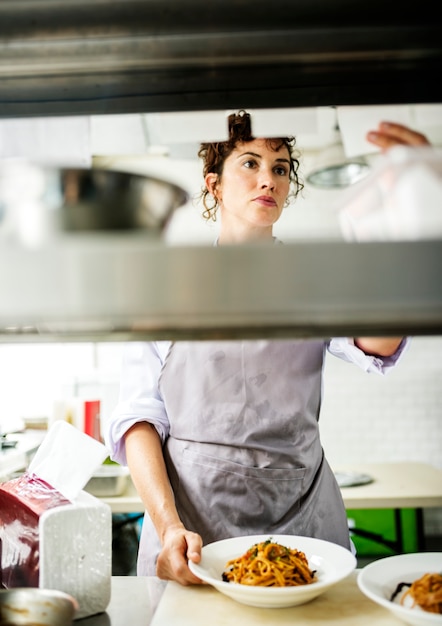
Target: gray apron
[244, 454]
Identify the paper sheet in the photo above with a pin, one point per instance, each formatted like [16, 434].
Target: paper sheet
[67, 458]
[355, 122]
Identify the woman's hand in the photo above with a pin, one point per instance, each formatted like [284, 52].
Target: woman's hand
[390, 134]
[179, 546]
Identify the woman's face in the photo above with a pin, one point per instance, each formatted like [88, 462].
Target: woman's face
[253, 188]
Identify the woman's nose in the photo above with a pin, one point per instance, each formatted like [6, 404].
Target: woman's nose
[267, 180]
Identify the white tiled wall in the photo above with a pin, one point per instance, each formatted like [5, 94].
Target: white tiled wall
[368, 418]
[365, 417]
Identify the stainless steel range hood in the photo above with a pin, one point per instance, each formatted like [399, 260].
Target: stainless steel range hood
[76, 57]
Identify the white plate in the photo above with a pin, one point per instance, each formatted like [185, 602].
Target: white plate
[352, 479]
[331, 562]
[378, 581]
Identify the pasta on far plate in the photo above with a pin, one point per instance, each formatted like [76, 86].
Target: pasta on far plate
[424, 592]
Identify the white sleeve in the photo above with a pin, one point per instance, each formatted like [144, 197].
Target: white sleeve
[139, 397]
[344, 348]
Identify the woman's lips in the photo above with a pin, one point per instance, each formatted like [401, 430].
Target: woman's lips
[266, 200]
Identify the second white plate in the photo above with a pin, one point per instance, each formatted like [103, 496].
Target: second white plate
[379, 580]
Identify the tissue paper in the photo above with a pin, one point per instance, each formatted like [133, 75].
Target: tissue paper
[67, 458]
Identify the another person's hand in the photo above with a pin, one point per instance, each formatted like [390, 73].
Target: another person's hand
[389, 134]
[179, 546]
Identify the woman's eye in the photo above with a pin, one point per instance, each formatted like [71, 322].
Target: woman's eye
[250, 163]
[281, 171]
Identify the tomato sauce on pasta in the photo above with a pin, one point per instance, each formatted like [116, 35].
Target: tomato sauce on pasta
[269, 564]
[426, 592]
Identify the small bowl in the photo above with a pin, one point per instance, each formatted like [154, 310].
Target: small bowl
[27, 606]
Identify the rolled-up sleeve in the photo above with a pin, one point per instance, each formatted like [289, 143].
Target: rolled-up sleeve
[139, 396]
[345, 348]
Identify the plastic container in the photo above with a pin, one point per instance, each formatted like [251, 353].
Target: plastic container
[108, 480]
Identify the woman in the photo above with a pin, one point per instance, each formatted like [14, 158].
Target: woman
[222, 438]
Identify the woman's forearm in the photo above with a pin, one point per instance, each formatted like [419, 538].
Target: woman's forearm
[148, 470]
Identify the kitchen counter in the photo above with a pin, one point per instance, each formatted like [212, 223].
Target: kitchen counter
[147, 601]
[134, 600]
[395, 485]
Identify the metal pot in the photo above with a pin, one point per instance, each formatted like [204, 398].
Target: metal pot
[28, 606]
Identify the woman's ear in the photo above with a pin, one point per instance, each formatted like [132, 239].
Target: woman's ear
[211, 180]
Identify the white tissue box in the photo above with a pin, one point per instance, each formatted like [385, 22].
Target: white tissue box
[76, 552]
[66, 547]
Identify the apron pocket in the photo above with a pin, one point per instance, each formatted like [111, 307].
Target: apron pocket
[242, 498]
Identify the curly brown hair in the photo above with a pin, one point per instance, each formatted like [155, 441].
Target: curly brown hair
[240, 131]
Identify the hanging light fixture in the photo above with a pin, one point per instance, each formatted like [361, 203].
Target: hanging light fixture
[333, 170]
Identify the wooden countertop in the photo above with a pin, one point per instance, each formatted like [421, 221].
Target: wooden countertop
[147, 601]
[343, 604]
[395, 485]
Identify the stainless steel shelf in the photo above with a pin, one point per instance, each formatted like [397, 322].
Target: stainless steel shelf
[121, 56]
[121, 288]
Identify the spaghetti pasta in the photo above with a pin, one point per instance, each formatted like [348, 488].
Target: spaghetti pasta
[426, 592]
[269, 564]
